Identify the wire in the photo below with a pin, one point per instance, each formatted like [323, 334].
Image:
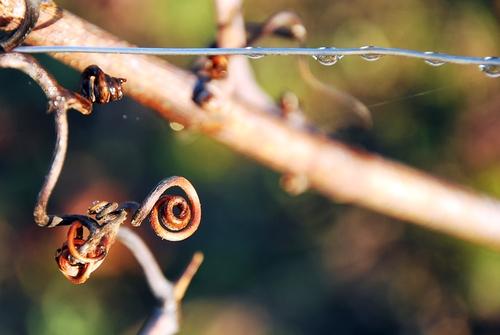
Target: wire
[433, 58]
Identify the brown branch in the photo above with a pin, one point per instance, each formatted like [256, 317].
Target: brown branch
[337, 171]
[165, 318]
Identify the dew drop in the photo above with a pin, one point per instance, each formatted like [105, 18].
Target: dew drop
[254, 56]
[433, 62]
[175, 126]
[327, 60]
[490, 70]
[370, 57]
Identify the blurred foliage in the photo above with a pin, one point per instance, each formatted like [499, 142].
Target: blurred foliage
[274, 263]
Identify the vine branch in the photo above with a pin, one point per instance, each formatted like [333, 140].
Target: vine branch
[60, 100]
[336, 170]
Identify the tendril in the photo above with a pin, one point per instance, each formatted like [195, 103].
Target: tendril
[75, 272]
[15, 38]
[172, 217]
[163, 213]
[99, 87]
[75, 233]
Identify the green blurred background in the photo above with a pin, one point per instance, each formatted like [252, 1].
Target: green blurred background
[274, 264]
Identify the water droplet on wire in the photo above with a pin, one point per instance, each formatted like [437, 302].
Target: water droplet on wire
[433, 62]
[327, 60]
[490, 70]
[254, 56]
[370, 57]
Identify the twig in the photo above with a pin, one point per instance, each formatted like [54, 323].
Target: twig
[165, 318]
[231, 33]
[60, 100]
[182, 284]
[161, 288]
[333, 169]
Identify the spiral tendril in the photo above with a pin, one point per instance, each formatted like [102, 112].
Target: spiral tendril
[76, 272]
[172, 217]
[79, 256]
[163, 213]
[75, 233]
[100, 87]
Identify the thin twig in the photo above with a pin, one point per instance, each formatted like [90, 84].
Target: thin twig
[183, 282]
[161, 288]
[165, 318]
[241, 80]
[60, 100]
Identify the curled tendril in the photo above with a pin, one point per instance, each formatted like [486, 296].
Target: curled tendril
[75, 271]
[172, 217]
[163, 213]
[79, 256]
[75, 236]
[15, 38]
[99, 87]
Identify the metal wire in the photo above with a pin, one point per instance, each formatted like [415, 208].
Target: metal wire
[257, 52]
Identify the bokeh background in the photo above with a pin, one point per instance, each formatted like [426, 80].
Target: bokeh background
[274, 264]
